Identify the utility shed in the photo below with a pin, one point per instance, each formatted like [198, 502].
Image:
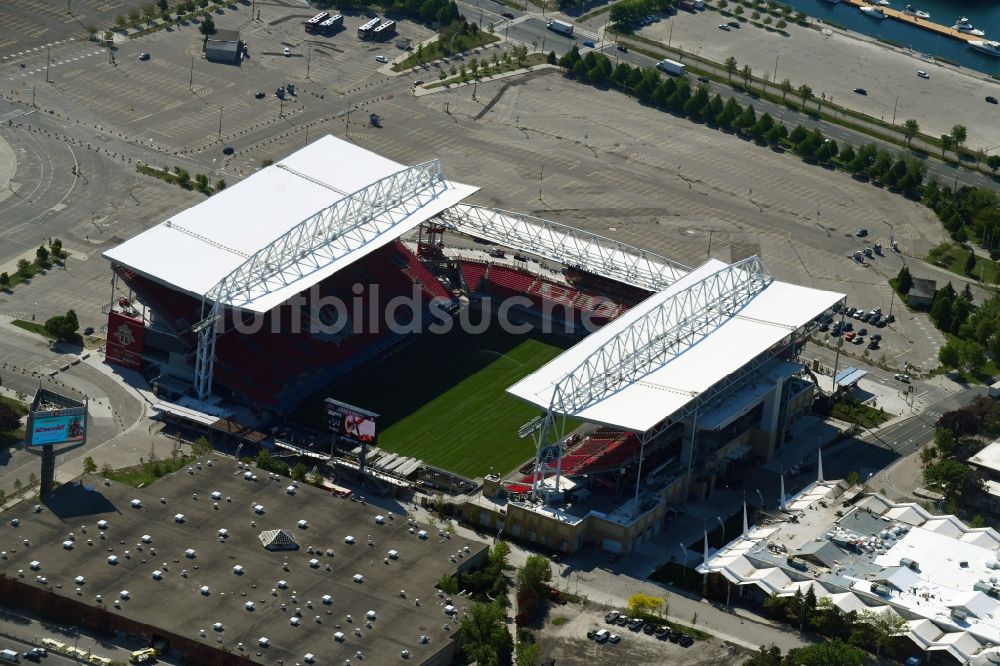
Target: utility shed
[223, 46]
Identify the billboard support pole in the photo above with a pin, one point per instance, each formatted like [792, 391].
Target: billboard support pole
[48, 475]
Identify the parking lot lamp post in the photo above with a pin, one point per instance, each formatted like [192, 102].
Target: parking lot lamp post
[894, 110]
[308, 59]
[48, 62]
[191, 80]
[220, 124]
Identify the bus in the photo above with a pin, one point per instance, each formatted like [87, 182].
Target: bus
[315, 21]
[142, 656]
[365, 31]
[384, 31]
[10, 657]
[331, 24]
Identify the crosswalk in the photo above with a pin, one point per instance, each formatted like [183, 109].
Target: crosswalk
[64, 61]
[33, 50]
[15, 113]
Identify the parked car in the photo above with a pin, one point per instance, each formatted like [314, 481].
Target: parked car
[622, 620]
[734, 24]
[614, 638]
[675, 636]
[591, 634]
[922, 74]
[724, 26]
[861, 233]
[287, 51]
[824, 328]
[703, 79]
[602, 635]
[649, 629]
[862, 331]
[143, 55]
[89, 330]
[848, 326]
[611, 617]
[861, 91]
[381, 58]
[858, 340]
[227, 150]
[873, 344]
[686, 641]
[259, 94]
[876, 337]
[850, 336]
[991, 99]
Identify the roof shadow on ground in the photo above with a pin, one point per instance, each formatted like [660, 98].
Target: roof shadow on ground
[72, 500]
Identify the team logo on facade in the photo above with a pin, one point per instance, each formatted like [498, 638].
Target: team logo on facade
[124, 335]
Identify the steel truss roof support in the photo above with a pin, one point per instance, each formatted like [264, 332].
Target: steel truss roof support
[566, 245]
[313, 244]
[664, 332]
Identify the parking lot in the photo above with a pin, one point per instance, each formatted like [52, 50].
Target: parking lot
[566, 640]
[538, 143]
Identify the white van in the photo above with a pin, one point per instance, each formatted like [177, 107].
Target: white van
[602, 636]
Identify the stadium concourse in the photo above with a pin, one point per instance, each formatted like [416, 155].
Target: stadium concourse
[272, 290]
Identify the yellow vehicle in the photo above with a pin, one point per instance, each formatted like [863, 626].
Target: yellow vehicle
[142, 656]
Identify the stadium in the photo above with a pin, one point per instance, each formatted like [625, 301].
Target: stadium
[565, 387]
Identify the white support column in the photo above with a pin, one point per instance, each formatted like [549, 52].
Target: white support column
[781, 499]
[746, 528]
[819, 464]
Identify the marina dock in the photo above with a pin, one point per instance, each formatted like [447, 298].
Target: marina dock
[925, 24]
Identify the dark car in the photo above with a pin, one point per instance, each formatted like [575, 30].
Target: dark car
[848, 326]
[89, 330]
[876, 337]
[649, 629]
[675, 636]
[621, 621]
[703, 79]
[259, 94]
[686, 641]
[873, 344]
[507, 15]
[228, 150]
[861, 91]
[734, 24]
[824, 328]
[144, 56]
[622, 48]
[591, 634]
[862, 331]
[991, 99]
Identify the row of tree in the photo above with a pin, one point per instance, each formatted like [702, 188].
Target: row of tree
[860, 629]
[960, 434]
[678, 96]
[630, 11]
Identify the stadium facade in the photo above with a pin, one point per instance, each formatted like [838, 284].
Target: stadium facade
[274, 288]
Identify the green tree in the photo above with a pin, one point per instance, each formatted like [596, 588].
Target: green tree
[4, 281]
[970, 263]
[207, 26]
[202, 182]
[884, 625]
[149, 11]
[551, 58]
[766, 655]
[63, 327]
[947, 142]
[950, 355]
[959, 134]
[89, 466]
[747, 75]
[485, 638]
[299, 472]
[786, 87]
[201, 447]
[805, 92]
[798, 135]
[448, 584]
[121, 22]
[730, 66]
[221, 185]
[9, 418]
[781, 24]
[134, 16]
[532, 585]
[953, 478]
[993, 162]
[910, 129]
[23, 268]
[57, 249]
[832, 653]
[183, 177]
[162, 5]
[904, 281]
[528, 653]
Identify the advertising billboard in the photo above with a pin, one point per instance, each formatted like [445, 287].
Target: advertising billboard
[350, 422]
[56, 428]
[125, 339]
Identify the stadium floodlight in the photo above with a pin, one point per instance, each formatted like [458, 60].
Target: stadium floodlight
[312, 245]
[566, 245]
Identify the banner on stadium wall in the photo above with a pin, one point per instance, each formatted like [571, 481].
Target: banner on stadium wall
[125, 338]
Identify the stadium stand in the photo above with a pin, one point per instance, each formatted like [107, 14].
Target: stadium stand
[473, 273]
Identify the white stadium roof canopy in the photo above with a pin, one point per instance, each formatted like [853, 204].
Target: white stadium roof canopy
[771, 315]
[197, 249]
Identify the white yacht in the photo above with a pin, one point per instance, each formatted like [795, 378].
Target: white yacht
[986, 46]
[882, 3]
[910, 11]
[963, 25]
[873, 12]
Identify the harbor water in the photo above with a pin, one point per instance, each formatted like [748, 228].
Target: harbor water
[983, 14]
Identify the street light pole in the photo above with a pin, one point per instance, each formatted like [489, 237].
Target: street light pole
[309, 59]
[48, 62]
[894, 110]
[220, 123]
[191, 80]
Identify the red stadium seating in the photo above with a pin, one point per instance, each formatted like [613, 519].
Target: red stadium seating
[422, 275]
[473, 273]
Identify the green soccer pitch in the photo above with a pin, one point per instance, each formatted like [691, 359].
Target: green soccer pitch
[442, 398]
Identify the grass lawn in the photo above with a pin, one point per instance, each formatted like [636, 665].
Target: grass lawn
[32, 327]
[442, 399]
[447, 43]
[500, 68]
[952, 257]
[851, 411]
[145, 474]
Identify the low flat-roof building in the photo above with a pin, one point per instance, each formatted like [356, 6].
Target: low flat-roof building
[189, 556]
[224, 46]
[878, 555]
